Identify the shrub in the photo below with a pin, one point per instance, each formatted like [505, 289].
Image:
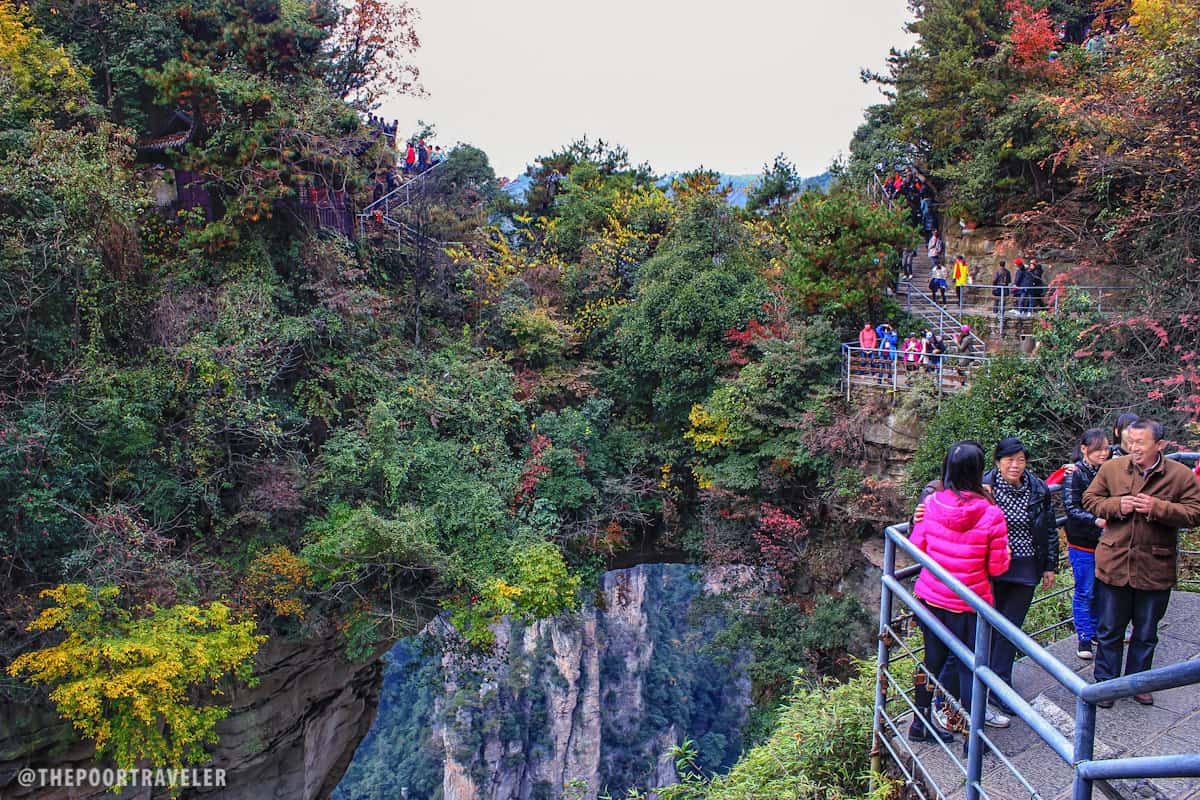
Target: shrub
[820, 750]
[130, 684]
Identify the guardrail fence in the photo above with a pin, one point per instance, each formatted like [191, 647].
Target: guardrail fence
[948, 372]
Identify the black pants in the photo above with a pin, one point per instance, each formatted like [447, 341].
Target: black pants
[1116, 607]
[1013, 601]
[958, 680]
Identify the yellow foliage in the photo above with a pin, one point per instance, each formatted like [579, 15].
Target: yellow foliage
[275, 577]
[707, 431]
[36, 76]
[1160, 21]
[130, 684]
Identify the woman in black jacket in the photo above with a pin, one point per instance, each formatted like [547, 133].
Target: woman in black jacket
[1083, 534]
[1117, 446]
[1033, 537]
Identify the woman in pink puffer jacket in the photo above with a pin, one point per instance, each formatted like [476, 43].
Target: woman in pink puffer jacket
[964, 532]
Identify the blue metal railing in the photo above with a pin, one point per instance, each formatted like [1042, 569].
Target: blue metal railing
[948, 372]
[1078, 752]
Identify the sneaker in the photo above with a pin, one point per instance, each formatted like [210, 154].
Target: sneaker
[940, 717]
[1086, 649]
[994, 719]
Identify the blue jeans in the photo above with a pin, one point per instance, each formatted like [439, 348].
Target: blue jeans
[1083, 565]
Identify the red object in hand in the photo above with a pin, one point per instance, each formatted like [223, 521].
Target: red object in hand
[1057, 476]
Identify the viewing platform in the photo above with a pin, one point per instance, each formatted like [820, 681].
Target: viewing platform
[1060, 743]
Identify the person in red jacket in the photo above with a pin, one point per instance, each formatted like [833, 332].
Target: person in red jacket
[868, 340]
[965, 533]
[410, 158]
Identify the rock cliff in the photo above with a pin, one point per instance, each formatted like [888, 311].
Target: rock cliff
[588, 702]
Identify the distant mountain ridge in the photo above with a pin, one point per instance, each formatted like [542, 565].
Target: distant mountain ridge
[740, 185]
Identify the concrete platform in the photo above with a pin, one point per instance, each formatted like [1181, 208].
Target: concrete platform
[1171, 725]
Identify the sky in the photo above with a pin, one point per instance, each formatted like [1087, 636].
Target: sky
[679, 84]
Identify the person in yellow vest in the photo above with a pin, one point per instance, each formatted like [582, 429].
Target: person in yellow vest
[961, 276]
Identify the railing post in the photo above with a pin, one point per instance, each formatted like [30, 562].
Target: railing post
[1003, 299]
[941, 368]
[882, 653]
[1085, 740]
[849, 370]
[983, 649]
[895, 374]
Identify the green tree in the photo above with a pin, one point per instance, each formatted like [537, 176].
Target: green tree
[778, 186]
[669, 339]
[840, 251]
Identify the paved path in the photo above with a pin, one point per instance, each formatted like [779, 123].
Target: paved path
[1171, 725]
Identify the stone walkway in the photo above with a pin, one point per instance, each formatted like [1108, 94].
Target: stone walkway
[1171, 725]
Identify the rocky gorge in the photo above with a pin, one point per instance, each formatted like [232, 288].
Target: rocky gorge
[583, 703]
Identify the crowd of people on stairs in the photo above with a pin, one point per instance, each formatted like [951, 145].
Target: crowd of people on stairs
[996, 532]
[413, 157]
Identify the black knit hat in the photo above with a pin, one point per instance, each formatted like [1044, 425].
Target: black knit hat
[1009, 447]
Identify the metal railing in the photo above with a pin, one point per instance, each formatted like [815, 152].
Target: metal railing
[381, 210]
[947, 372]
[936, 314]
[1078, 752]
[1022, 302]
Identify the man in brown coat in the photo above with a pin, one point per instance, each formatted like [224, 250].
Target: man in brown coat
[1146, 499]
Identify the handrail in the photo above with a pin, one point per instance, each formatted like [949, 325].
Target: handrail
[405, 187]
[1079, 753]
[884, 369]
[942, 313]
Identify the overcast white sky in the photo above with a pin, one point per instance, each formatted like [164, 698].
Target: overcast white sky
[679, 84]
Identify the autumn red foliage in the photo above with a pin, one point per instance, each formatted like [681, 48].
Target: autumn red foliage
[1033, 37]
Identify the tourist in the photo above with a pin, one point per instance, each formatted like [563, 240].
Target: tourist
[1033, 537]
[1120, 442]
[914, 349]
[964, 348]
[1038, 289]
[868, 340]
[937, 283]
[935, 348]
[422, 156]
[1083, 535]
[1001, 280]
[410, 159]
[888, 345]
[907, 256]
[937, 248]
[1145, 498]
[965, 533]
[1023, 281]
[961, 276]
